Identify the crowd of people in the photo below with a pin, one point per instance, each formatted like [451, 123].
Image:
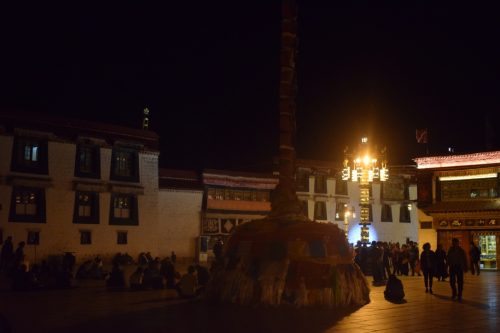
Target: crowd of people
[385, 261]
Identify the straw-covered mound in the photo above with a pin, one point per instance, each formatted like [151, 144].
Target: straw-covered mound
[275, 261]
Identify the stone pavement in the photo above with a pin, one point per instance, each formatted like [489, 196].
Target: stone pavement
[90, 308]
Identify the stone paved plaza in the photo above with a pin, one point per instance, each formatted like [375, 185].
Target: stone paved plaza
[90, 308]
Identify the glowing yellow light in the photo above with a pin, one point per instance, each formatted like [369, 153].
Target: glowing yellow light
[366, 160]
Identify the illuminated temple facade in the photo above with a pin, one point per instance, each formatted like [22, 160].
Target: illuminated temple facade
[460, 194]
[326, 198]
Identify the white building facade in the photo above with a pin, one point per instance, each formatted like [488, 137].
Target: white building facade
[72, 186]
[327, 198]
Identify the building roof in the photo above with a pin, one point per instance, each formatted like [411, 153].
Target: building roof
[72, 128]
[464, 160]
[463, 206]
[179, 179]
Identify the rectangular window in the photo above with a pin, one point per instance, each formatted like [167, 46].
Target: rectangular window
[86, 208]
[124, 209]
[33, 238]
[386, 215]
[339, 211]
[124, 165]
[88, 161]
[85, 237]
[302, 181]
[27, 205]
[30, 155]
[320, 184]
[340, 186]
[122, 237]
[404, 214]
[320, 210]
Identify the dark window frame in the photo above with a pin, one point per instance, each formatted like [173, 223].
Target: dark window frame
[386, 217]
[85, 237]
[320, 184]
[95, 152]
[133, 218]
[341, 190]
[134, 165]
[320, 214]
[119, 237]
[94, 208]
[39, 217]
[302, 180]
[404, 214]
[340, 211]
[20, 164]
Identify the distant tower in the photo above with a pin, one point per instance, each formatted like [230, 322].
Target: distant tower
[145, 120]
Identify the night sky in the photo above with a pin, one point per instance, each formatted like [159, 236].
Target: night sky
[209, 73]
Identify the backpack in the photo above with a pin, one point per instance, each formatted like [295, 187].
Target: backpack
[394, 289]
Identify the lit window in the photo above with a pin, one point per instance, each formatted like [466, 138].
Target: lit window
[124, 209]
[29, 155]
[124, 165]
[86, 207]
[27, 205]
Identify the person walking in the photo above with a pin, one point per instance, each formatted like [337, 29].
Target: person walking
[428, 266]
[457, 263]
[441, 265]
[475, 256]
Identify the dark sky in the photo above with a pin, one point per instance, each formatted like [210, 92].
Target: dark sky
[208, 71]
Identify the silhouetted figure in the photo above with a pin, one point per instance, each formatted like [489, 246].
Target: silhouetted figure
[188, 285]
[168, 271]
[137, 279]
[428, 266]
[394, 290]
[173, 257]
[475, 256]
[19, 255]
[203, 275]
[116, 279]
[441, 263]
[457, 263]
[7, 254]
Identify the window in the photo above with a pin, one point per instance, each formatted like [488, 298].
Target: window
[124, 209]
[404, 214]
[320, 184]
[124, 165]
[302, 180]
[88, 161]
[85, 237]
[320, 210]
[122, 237]
[340, 186]
[339, 211]
[386, 215]
[86, 207]
[27, 205]
[33, 237]
[29, 155]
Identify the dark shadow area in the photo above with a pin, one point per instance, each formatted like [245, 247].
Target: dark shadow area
[403, 301]
[203, 317]
[478, 305]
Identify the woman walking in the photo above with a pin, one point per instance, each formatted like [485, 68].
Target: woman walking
[428, 266]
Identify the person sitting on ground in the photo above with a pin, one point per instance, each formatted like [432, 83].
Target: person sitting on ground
[188, 285]
[136, 279]
[116, 279]
[203, 275]
[394, 291]
[168, 272]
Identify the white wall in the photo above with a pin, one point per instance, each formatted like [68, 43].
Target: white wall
[179, 222]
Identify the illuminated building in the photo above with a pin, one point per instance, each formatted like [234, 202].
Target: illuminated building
[461, 195]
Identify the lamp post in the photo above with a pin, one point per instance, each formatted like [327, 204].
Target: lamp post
[365, 166]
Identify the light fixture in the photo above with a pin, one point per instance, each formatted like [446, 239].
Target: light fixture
[365, 166]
